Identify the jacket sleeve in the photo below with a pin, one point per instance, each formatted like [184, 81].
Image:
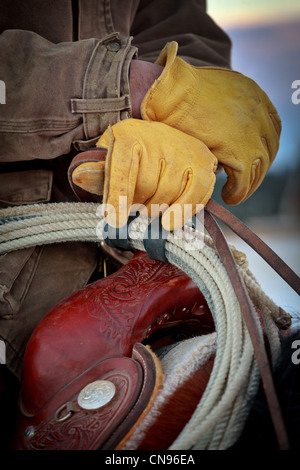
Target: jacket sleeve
[59, 95]
[201, 41]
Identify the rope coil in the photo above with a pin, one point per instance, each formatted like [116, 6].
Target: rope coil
[221, 413]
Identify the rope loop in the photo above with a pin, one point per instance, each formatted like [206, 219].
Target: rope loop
[223, 409]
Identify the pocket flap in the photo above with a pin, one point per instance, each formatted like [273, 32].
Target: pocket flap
[25, 187]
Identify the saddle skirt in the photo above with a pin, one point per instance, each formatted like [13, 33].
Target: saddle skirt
[97, 370]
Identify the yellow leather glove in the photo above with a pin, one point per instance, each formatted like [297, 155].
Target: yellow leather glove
[226, 110]
[152, 164]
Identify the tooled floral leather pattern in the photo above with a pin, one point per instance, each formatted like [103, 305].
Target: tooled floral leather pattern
[84, 429]
[122, 298]
[104, 319]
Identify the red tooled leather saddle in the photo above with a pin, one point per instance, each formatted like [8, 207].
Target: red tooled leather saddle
[89, 346]
[88, 374]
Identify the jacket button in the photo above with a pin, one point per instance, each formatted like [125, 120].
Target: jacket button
[113, 46]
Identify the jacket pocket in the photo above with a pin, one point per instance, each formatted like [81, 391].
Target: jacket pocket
[18, 267]
[25, 187]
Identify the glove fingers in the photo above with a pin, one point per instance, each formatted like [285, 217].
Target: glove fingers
[195, 194]
[270, 144]
[242, 183]
[239, 127]
[121, 173]
[276, 121]
[165, 192]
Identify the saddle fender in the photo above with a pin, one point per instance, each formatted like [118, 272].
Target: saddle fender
[96, 334]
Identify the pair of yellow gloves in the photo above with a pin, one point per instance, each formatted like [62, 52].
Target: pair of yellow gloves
[194, 118]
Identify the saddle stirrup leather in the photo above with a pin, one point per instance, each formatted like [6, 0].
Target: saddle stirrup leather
[249, 237]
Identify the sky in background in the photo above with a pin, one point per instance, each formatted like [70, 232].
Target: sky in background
[233, 13]
[266, 47]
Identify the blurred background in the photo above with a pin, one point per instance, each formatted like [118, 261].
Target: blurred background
[266, 47]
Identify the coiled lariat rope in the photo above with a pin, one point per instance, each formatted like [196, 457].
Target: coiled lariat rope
[221, 413]
[42, 224]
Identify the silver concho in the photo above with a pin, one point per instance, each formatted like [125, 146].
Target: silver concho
[96, 394]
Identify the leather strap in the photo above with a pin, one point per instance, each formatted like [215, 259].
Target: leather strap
[241, 292]
[255, 242]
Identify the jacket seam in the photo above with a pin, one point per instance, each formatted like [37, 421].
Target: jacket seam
[30, 127]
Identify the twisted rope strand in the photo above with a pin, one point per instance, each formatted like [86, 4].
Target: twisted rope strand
[220, 415]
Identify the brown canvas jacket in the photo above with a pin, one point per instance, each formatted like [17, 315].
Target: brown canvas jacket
[66, 68]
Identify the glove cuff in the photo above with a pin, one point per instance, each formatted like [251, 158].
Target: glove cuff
[168, 54]
[166, 59]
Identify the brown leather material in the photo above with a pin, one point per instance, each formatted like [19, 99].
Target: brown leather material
[246, 308]
[104, 320]
[99, 323]
[93, 155]
[153, 379]
[238, 227]
[65, 425]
